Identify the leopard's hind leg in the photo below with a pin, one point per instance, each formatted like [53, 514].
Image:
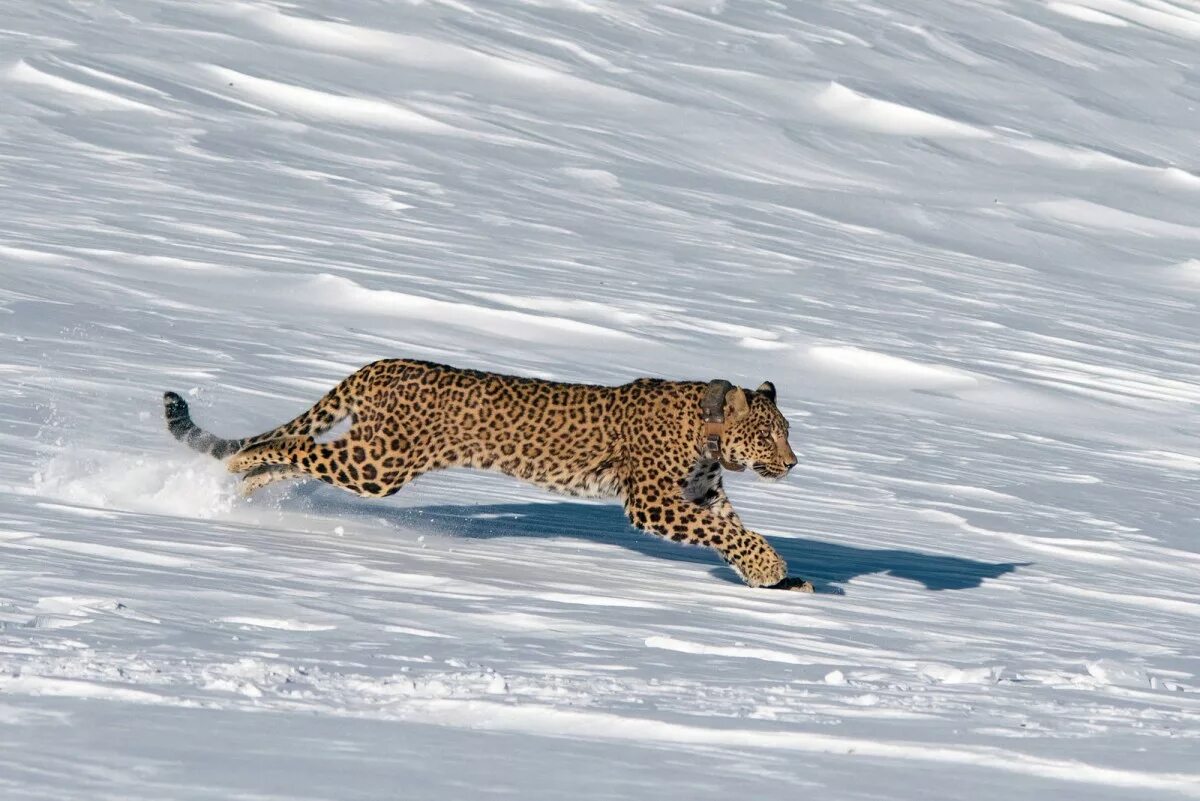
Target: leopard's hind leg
[293, 451]
[358, 465]
[259, 477]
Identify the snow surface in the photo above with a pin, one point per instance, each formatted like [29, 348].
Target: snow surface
[962, 238]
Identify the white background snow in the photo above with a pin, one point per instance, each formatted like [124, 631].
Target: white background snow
[963, 238]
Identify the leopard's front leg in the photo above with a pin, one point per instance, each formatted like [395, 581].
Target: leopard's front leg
[660, 508]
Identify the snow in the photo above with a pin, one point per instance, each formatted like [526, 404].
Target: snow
[960, 239]
[868, 114]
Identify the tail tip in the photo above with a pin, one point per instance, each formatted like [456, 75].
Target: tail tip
[174, 405]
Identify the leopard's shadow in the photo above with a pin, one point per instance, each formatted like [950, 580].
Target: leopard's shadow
[826, 564]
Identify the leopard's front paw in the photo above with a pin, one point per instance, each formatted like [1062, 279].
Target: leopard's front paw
[764, 572]
[793, 583]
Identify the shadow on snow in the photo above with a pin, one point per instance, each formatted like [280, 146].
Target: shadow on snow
[825, 564]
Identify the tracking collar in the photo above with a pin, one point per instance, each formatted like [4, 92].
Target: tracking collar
[712, 409]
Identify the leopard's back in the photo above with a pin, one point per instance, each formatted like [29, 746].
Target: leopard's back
[564, 437]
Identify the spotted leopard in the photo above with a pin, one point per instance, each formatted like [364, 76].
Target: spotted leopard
[647, 442]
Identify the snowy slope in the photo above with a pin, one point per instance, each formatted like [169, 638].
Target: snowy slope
[962, 238]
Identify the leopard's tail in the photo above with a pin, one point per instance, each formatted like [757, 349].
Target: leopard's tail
[179, 423]
[328, 412]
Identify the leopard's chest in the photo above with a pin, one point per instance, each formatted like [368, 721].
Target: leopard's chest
[701, 482]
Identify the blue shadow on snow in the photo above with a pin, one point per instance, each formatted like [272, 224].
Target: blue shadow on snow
[825, 564]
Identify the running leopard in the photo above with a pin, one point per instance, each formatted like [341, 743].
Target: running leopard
[660, 446]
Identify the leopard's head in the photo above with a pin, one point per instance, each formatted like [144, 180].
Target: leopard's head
[756, 434]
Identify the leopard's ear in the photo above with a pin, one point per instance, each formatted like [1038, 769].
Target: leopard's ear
[735, 404]
[768, 389]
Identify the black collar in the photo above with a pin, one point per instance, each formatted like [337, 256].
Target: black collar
[712, 409]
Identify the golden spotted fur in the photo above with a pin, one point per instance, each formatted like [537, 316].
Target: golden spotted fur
[641, 442]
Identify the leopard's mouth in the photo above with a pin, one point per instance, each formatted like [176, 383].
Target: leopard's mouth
[769, 472]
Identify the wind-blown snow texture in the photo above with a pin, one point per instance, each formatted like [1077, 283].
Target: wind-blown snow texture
[961, 237]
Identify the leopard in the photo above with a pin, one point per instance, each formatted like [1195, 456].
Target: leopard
[660, 446]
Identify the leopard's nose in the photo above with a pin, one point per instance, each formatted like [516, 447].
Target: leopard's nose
[789, 465]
